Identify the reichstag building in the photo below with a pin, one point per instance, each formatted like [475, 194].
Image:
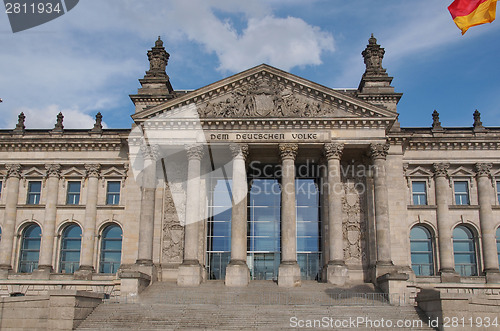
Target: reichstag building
[259, 176]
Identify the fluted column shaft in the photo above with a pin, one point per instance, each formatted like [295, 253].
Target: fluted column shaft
[486, 219]
[336, 241]
[239, 205]
[382, 225]
[49, 222]
[195, 153]
[148, 186]
[12, 193]
[288, 204]
[88, 240]
[443, 218]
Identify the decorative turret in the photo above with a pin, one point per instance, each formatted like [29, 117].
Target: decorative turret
[156, 87]
[375, 86]
[436, 123]
[478, 125]
[58, 127]
[20, 128]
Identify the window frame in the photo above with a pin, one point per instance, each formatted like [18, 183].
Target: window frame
[33, 264]
[103, 251]
[425, 194]
[113, 194]
[29, 193]
[468, 193]
[497, 189]
[68, 193]
[62, 250]
[475, 252]
[431, 253]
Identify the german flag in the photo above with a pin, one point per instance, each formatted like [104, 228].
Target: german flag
[468, 13]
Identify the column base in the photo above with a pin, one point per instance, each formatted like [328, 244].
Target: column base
[336, 274]
[237, 274]
[85, 272]
[4, 271]
[381, 268]
[492, 276]
[449, 276]
[190, 274]
[289, 274]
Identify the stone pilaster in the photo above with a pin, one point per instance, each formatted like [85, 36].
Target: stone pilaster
[378, 153]
[289, 271]
[49, 222]
[190, 271]
[237, 272]
[7, 242]
[336, 268]
[444, 235]
[88, 240]
[487, 222]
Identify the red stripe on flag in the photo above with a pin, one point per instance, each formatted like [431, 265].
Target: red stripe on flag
[464, 7]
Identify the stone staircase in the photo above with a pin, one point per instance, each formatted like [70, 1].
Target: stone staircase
[260, 306]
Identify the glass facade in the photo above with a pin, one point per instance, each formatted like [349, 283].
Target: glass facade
[30, 249]
[461, 192]
[422, 252]
[464, 250]
[71, 243]
[263, 241]
[73, 193]
[113, 193]
[34, 192]
[111, 249]
[419, 192]
[219, 228]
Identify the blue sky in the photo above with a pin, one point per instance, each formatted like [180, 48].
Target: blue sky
[89, 59]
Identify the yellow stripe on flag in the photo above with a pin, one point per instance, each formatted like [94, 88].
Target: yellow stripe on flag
[484, 13]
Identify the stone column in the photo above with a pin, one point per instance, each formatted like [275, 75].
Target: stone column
[384, 263]
[10, 215]
[190, 271]
[237, 272]
[289, 271]
[146, 222]
[444, 235]
[88, 240]
[487, 222]
[336, 268]
[49, 222]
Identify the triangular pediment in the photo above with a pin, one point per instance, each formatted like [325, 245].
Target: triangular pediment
[419, 172]
[267, 92]
[33, 172]
[462, 172]
[73, 172]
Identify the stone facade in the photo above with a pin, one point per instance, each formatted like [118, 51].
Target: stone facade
[368, 165]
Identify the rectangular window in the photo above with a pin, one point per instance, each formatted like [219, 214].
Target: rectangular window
[498, 192]
[113, 193]
[419, 192]
[1, 189]
[73, 195]
[34, 192]
[461, 192]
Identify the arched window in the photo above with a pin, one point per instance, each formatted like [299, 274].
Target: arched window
[111, 249]
[422, 251]
[464, 250]
[71, 243]
[498, 244]
[30, 248]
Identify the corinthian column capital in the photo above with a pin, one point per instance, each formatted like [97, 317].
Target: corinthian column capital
[93, 170]
[53, 170]
[333, 150]
[379, 151]
[483, 169]
[288, 151]
[441, 169]
[13, 170]
[151, 152]
[194, 151]
[239, 149]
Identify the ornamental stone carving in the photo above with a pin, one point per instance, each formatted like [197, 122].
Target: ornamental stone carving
[288, 151]
[441, 169]
[53, 170]
[194, 151]
[239, 149]
[373, 55]
[173, 231]
[334, 150]
[483, 169]
[93, 170]
[271, 99]
[13, 170]
[379, 151]
[158, 60]
[150, 152]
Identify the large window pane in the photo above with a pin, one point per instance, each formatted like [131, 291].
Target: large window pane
[419, 193]
[498, 245]
[34, 192]
[30, 249]
[111, 246]
[73, 195]
[113, 193]
[461, 192]
[422, 251]
[464, 251]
